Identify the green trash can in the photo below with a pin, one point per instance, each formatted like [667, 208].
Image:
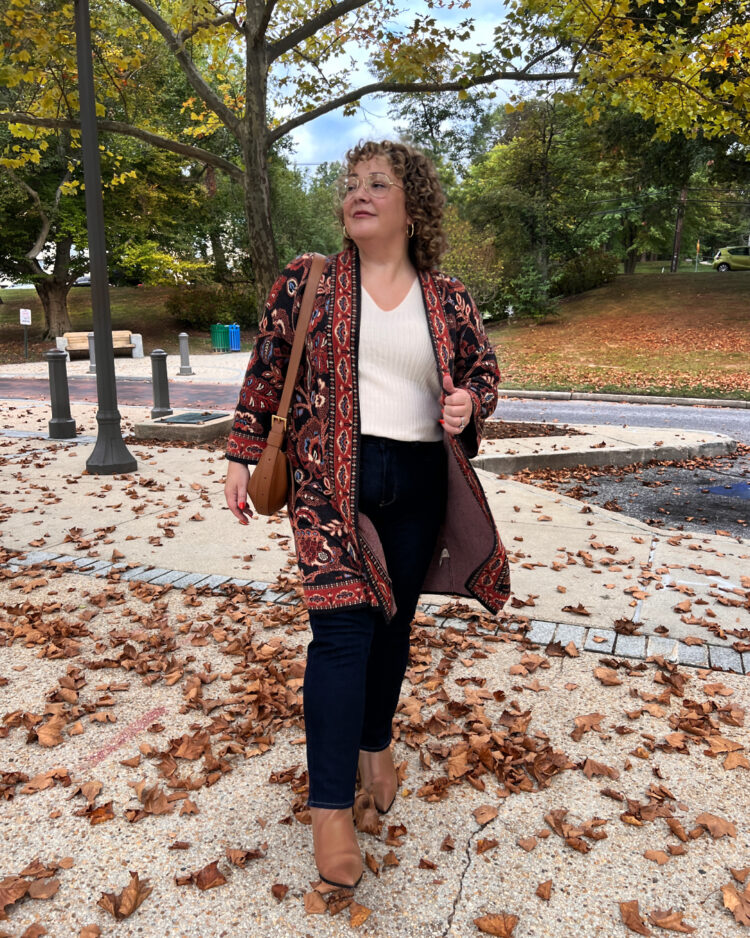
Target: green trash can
[220, 337]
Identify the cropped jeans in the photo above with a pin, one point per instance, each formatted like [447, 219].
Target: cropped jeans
[356, 660]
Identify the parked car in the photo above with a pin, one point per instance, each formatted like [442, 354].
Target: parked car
[84, 281]
[735, 258]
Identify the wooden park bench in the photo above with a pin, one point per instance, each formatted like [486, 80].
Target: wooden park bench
[74, 343]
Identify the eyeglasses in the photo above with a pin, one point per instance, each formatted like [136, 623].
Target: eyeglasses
[376, 184]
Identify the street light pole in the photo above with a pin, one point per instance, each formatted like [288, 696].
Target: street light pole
[110, 454]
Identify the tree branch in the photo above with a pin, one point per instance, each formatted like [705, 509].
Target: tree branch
[184, 34]
[41, 238]
[117, 127]
[269, 7]
[394, 87]
[296, 36]
[199, 84]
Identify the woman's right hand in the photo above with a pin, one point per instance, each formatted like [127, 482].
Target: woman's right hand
[235, 490]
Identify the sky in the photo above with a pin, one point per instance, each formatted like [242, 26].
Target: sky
[327, 138]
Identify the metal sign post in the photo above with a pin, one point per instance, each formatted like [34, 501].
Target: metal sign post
[25, 322]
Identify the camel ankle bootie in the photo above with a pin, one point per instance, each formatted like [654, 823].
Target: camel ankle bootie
[378, 776]
[337, 853]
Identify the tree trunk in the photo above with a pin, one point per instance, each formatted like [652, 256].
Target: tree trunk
[677, 245]
[257, 188]
[53, 289]
[221, 268]
[628, 237]
[54, 297]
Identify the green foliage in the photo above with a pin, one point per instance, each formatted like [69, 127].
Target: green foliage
[527, 295]
[201, 306]
[147, 263]
[585, 271]
[302, 208]
[472, 257]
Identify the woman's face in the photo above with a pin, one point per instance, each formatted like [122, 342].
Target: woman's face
[380, 216]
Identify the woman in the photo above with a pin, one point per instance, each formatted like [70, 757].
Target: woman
[396, 381]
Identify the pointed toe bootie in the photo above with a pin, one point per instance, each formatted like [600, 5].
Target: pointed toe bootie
[378, 776]
[337, 854]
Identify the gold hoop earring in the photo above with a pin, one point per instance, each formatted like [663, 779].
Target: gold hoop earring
[410, 233]
[346, 233]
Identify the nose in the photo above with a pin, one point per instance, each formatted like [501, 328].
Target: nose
[361, 194]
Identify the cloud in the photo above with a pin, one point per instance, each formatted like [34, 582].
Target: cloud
[327, 138]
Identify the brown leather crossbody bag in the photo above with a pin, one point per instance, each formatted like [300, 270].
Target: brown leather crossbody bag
[268, 487]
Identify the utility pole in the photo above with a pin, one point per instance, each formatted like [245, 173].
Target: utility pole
[110, 454]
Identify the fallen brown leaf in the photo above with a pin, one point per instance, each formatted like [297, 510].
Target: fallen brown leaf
[544, 890]
[631, 918]
[716, 826]
[315, 904]
[607, 676]
[501, 925]
[358, 914]
[485, 814]
[738, 903]
[671, 921]
[121, 905]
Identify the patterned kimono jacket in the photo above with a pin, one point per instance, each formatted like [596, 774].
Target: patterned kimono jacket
[338, 552]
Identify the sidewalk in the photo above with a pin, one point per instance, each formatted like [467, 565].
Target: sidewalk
[141, 639]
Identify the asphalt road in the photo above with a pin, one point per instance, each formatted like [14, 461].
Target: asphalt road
[135, 391]
[706, 497]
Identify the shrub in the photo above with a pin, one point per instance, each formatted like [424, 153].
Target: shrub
[201, 306]
[590, 269]
[528, 295]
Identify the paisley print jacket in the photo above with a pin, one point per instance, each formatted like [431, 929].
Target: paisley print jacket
[338, 551]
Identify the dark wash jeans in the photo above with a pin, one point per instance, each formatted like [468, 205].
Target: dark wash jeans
[356, 661]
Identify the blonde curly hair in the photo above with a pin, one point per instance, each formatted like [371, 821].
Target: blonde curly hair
[425, 201]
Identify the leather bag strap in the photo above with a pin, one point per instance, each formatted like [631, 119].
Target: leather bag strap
[303, 322]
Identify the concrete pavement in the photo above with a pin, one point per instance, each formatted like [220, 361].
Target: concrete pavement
[120, 624]
[574, 568]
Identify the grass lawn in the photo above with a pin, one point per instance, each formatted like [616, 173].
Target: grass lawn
[139, 309]
[676, 335]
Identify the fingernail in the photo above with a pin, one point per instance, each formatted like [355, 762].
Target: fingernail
[440, 422]
[241, 506]
[244, 522]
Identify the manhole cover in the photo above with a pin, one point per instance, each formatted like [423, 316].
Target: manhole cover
[738, 490]
[193, 417]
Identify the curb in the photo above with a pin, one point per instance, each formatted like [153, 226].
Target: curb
[602, 457]
[598, 641]
[622, 398]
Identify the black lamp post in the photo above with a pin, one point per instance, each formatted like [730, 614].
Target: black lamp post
[110, 454]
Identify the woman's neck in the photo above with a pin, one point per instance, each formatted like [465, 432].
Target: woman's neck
[385, 263]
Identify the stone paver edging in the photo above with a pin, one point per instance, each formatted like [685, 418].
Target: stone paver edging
[585, 638]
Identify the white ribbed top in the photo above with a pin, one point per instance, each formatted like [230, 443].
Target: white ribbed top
[399, 388]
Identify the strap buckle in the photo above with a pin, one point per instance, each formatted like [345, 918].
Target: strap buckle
[281, 420]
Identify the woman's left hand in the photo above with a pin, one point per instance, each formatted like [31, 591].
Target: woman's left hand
[456, 407]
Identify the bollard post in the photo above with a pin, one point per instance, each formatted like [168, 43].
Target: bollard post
[61, 426]
[92, 355]
[160, 382]
[185, 368]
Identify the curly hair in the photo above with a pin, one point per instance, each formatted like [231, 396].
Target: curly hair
[425, 201]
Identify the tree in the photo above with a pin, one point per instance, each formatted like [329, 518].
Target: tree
[534, 187]
[258, 71]
[43, 229]
[245, 68]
